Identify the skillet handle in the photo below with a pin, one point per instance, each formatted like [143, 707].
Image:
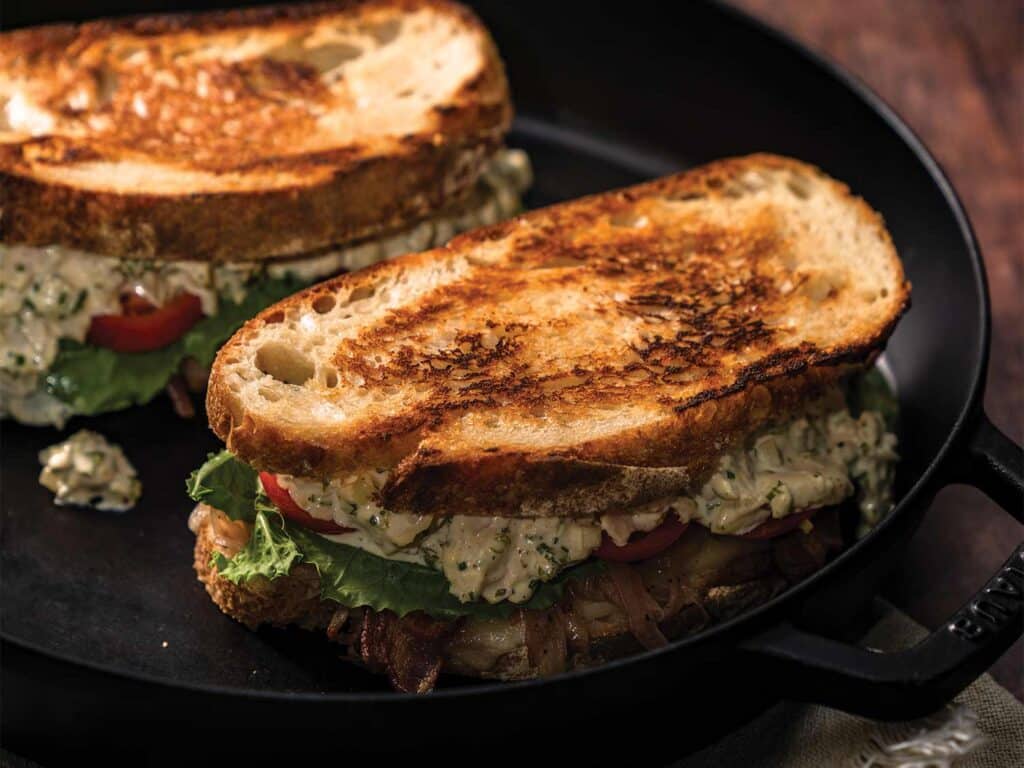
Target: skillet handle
[996, 466]
[916, 681]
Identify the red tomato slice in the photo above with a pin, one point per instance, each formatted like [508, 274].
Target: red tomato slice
[136, 304]
[138, 331]
[778, 526]
[646, 546]
[284, 502]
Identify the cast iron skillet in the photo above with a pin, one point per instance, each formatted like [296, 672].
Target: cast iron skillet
[109, 642]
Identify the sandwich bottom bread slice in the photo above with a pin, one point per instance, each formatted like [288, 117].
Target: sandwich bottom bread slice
[511, 598]
[583, 431]
[83, 333]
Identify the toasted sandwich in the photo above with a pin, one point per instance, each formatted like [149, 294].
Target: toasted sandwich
[581, 432]
[163, 179]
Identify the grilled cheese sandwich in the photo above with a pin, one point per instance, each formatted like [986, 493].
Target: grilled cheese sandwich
[588, 429]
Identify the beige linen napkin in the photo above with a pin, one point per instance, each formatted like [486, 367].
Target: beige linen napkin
[983, 728]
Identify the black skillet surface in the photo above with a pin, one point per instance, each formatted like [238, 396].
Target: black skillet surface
[110, 642]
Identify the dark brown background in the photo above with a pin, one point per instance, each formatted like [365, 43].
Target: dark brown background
[954, 70]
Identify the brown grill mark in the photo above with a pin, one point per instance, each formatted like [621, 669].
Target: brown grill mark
[690, 308]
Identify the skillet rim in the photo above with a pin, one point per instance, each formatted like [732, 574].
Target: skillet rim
[970, 408]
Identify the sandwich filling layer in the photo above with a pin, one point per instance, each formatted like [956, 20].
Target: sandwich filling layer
[50, 296]
[811, 462]
[774, 481]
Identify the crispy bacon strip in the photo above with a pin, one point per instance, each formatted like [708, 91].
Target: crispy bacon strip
[545, 635]
[409, 650]
[577, 634]
[679, 596]
[195, 375]
[626, 589]
[336, 625]
[799, 555]
[180, 399]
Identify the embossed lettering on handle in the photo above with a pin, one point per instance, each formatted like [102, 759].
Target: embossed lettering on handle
[998, 604]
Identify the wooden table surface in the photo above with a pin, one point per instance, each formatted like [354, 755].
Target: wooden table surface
[954, 70]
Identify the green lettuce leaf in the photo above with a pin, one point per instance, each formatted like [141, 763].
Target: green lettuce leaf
[270, 553]
[348, 575]
[95, 380]
[226, 483]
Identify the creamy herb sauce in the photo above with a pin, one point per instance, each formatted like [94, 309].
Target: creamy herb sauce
[85, 470]
[52, 293]
[810, 462]
[495, 559]
[351, 502]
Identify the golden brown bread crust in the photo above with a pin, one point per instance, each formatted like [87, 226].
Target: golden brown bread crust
[526, 363]
[292, 600]
[653, 465]
[260, 190]
[700, 581]
[375, 196]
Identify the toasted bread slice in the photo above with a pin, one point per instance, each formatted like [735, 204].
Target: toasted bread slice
[700, 581]
[244, 134]
[576, 359]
